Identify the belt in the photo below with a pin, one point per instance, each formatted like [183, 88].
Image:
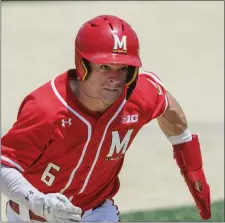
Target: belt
[33, 216]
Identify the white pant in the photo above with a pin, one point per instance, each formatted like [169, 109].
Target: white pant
[107, 212]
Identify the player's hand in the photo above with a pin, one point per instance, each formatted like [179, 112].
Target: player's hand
[200, 191]
[58, 208]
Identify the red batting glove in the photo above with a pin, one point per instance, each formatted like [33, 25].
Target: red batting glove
[189, 159]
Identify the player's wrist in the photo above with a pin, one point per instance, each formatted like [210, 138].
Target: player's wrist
[184, 137]
[188, 155]
[37, 203]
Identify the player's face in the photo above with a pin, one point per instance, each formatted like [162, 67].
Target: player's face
[107, 81]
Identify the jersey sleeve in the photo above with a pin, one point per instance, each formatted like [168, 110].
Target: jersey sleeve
[24, 143]
[154, 94]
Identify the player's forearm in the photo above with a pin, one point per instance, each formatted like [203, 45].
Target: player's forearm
[17, 188]
[187, 152]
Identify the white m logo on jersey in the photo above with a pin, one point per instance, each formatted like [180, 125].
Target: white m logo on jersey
[117, 145]
[121, 44]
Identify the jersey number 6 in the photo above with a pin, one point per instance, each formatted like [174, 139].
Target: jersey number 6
[47, 177]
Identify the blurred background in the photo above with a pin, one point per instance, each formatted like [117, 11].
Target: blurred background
[182, 42]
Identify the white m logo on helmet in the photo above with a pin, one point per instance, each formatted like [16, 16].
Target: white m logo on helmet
[120, 44]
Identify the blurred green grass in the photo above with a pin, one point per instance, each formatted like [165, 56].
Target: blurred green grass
[184, 213]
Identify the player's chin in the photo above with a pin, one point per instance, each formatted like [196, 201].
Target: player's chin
[111, 97]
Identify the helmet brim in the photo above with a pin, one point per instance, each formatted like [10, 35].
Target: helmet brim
[114, 58]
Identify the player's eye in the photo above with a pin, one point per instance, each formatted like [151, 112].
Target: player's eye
[124, 69]
[104, 67]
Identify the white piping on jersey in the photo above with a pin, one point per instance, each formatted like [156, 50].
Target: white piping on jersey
[70, 198]
[100, 145]
[88, 138]
[154, 77]
[13, 163]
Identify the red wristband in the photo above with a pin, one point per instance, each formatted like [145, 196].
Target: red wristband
[188, 155]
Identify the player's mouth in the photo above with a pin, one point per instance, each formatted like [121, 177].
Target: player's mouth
[111, 89]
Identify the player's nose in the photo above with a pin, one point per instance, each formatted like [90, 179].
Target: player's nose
[114, 78]
[114, 82]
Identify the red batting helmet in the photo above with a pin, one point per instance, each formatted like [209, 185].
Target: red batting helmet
[107, 39]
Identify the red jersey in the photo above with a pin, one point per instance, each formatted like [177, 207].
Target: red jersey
[60, 146]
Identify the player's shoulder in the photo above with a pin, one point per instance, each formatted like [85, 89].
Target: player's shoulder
[147, 77]
[149, 96]
[150, 86]
[43, 102]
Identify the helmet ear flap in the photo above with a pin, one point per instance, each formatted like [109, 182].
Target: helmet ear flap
[131, 76]
[131, 80]
[131, 88]
[83, 67]
[87, 68]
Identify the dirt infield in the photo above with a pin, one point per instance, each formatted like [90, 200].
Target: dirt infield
[182, 42]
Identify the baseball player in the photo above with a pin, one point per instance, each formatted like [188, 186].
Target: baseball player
[61, 158]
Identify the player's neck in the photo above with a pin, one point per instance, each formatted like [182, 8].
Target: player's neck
[92, 104]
